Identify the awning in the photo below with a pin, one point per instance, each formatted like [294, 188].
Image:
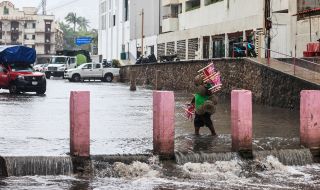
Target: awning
[308, 11]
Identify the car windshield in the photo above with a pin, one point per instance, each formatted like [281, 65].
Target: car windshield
[21, 67]
[58, 60]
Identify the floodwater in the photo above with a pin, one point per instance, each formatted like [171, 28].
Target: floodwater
[121, 123]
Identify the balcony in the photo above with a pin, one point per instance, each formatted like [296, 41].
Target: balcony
[170, 23]
[169, 2]
[30, 30]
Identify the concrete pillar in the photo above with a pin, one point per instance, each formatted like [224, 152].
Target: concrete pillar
[80, 123]
[241, 120]
[226, 41]
[133, 80]
[310, 118]
[163, 123]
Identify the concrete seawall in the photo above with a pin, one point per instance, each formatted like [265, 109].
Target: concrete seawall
[269, 86]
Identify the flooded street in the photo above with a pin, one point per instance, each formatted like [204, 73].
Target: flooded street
[121, 123]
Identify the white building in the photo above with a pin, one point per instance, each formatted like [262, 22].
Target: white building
[202, 29]
[28, 28]
[120, 28]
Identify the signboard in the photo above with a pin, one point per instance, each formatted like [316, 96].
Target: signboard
[83, 40]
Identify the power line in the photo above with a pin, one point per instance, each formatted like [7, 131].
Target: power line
[63, 5]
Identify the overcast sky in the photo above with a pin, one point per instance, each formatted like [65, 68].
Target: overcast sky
[85, 8]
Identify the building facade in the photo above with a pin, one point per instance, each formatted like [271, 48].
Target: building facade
[125, 25]
[204, 29]
[28, 28]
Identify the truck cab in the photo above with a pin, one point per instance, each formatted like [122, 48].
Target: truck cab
[59, 64]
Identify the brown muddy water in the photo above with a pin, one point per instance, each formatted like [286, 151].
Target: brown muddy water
[121, 123]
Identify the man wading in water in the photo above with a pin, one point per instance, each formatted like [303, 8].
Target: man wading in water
[204, 102]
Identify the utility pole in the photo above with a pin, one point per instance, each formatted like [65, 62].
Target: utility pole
[44, 7]
[268, 26]
[142, 31]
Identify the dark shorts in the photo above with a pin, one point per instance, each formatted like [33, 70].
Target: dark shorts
[202, 120]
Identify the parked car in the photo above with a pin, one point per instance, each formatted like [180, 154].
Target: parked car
[92, 71]
[40, 67]
[16, 72]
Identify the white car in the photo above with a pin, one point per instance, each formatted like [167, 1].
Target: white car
[92, 71]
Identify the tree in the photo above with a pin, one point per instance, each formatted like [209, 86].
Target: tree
[83, 24]
[72, 18]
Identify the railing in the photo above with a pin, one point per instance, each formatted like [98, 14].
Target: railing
[298, 67]
[301, 68]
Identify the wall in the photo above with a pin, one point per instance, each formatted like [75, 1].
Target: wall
[221, 12]
[151, 11]
[112, 39]
[269, 87]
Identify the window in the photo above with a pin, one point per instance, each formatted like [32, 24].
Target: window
[25, 25]
[25, 37]
[89, 66]
[33, 25]
[308, 6]
[33, 37]
[209, 2]
[114, 20]
[103, 7]
[97, 66]
[192, 5]
[103, 22]
[5, 10]
[126, 10]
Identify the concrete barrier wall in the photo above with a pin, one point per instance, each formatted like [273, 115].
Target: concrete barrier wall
[269, 87]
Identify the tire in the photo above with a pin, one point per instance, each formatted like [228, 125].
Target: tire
[42, 91]
[13, 89]
[108, 77]
[76, 78]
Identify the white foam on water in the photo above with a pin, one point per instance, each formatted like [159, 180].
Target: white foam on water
[136, 169]
[220, 170]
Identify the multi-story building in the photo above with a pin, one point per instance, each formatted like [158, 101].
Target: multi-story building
[122, 25]
[203, 29]
[28, 28]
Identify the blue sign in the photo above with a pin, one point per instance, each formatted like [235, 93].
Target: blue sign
[83, 40]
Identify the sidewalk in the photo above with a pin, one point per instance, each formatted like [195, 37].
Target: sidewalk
[299, 72]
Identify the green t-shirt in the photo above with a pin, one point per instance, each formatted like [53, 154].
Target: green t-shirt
[199, 100]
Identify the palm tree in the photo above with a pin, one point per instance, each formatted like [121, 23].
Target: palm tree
[83, 23]
[72, 18]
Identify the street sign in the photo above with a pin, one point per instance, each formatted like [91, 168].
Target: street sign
[83, 40]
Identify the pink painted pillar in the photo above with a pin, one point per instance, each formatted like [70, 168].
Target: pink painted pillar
[80, 124]
[310, 118]
[163, 123]
[241, 120]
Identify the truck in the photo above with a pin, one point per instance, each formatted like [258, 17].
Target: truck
[16, 72]
[92, 71]
[64, 60]
[58, 64]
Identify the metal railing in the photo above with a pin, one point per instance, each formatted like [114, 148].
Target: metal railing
[289, 64]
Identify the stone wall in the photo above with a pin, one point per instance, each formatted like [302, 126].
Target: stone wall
[269, 87]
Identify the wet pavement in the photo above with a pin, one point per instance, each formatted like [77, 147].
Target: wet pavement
[121, 123]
